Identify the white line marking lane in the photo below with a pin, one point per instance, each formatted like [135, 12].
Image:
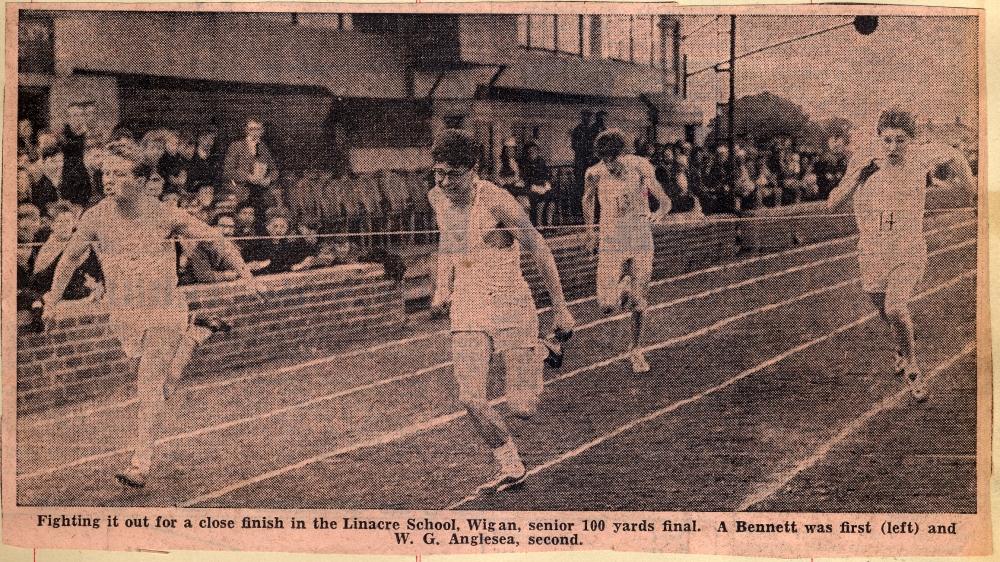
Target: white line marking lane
[729, 382]
[441, 420]
[782, 479]
[89, 412]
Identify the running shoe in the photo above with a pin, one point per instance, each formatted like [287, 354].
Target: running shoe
[133, 477]
[915, 380]
[213, 324]
[510, 474]
[554, 359]
[639, 363]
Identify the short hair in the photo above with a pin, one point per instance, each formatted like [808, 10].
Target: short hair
[128, 150]
[276, 212]
[59, 207]
[456, 147]
[215, 221]
[239, 208]
[609, 144]
[25, 210]
[50, 151]
[897, 118]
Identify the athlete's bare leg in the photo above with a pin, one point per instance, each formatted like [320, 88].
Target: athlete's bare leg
[523, 373]
[159, 347]
[471, 353]
[195, 336]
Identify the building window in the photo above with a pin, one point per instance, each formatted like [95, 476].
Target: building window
[568, 34]
[542, 32]
[35, 45]
[340, 22]
[616, 32]
[642, 40]
[375, 23]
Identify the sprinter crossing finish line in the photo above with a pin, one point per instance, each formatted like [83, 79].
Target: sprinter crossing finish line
[889, 194]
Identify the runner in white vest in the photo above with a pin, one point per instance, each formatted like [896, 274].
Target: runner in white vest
[133, 236]
[483, 229]
[622, 183]
[889, 193]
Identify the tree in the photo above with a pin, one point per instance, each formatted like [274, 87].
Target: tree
[760, 118]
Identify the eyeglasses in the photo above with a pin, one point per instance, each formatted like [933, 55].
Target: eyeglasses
[450, 174]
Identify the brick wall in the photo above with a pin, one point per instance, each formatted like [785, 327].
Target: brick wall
[324, 309]
[351, 306]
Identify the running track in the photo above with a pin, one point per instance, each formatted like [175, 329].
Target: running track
[770, 391]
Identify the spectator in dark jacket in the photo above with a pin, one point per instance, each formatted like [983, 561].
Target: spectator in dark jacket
[75, 186]
[538, 180]
[283, 253]
[205, 164]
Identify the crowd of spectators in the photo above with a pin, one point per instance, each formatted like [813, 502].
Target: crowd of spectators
[234, 189]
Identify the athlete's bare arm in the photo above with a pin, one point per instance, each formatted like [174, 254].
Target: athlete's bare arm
[72, 258]
[590, 207]
[963, 178]
[512, 216]
[187, 226]
[653, 185]
[444, 280]
[848, 184]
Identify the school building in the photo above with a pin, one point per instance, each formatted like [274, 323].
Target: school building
[368, 89]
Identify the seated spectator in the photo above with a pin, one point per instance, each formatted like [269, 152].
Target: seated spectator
[153, 187]
[509, 174]
[86, 281]
[246, 233]
[48, 189]
[203, 263]
[335, 251]
[537, 177]
[171, 197]
[810, 187]
[200, 205]
[179, 181]
[121, 133]
[30, 235]
[225, 204]
[186, 147]
[283, 253]
[153, 148]
[205, 164]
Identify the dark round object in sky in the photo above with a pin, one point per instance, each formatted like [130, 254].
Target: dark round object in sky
[865, 25]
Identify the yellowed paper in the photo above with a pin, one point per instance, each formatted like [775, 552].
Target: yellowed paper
[331, 419]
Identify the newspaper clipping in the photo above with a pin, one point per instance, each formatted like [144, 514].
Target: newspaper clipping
[466, 278]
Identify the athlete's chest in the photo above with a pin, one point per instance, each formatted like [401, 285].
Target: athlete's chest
[893, 186]
[144, 234]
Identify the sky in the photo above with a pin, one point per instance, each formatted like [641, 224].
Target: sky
[925, 64]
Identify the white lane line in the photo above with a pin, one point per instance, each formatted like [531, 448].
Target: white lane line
[755, 369]
[406, 341]
[782, 479]
[382, 382]
[414, 429]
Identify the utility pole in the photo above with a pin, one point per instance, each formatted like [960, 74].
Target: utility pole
[732, 105]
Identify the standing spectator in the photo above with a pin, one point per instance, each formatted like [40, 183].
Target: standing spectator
[538, 179]
[85, 281]
[204, 164]
[93, 157]
[153, 148]
[171, 163]
[49, 188]
[831, 164]
[509, 174]
[598, 127]
[27, 145]
[582, 143]
[75, 187]
[251, 169]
